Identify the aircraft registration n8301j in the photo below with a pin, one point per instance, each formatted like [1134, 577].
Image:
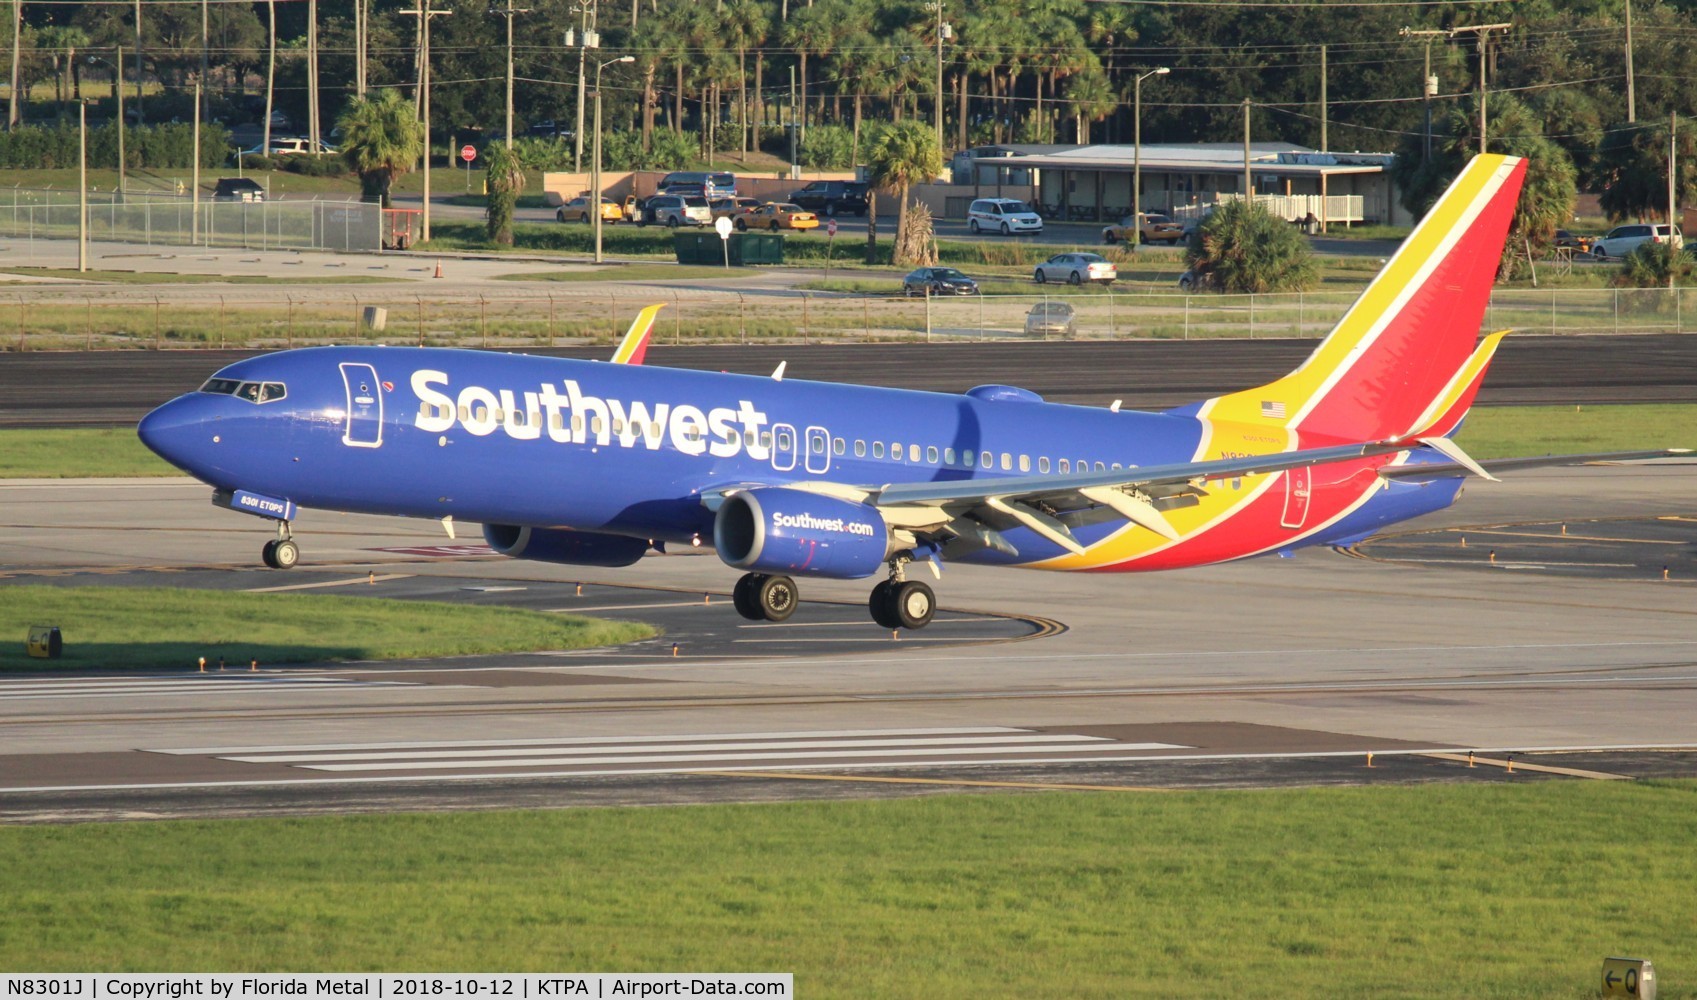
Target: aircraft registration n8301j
[590, 463]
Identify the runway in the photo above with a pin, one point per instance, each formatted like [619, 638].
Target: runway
[119, 387]
[1575, 657]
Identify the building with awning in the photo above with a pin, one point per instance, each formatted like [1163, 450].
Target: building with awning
[1184, 180]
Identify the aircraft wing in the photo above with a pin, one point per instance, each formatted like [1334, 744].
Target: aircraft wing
[1450, 470]
[974, 509]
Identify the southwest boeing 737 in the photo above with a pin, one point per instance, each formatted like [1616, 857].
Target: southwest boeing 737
[590, 463]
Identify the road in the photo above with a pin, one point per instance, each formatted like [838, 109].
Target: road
[45, 389]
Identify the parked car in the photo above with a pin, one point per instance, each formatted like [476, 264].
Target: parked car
[238, 189]
[1050, 319]
[1622, 240]
[1002, 215]
[579, 210]
[675, 210]
[735, 209]
[707, 184]
[1571, 241]
[1077, 268]
[1190, 281]
[1156, 228]
[938, 281]
[549, 130]
[830, 198]
[775, 215]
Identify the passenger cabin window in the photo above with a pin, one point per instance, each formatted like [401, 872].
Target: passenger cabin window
[913, 453]
[1007, 462]
[784, 440]
[931, 454]
[837, 447]
[1066, 466]
[1043, 464]
[859, 448]
[1025, 463]
[948, 456]
[969, 458]
[877, 449]
[987, 460]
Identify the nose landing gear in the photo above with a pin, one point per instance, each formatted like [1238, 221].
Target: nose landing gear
[282, 552]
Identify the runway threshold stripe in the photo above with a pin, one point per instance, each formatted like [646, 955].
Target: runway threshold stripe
[586, 740]
[941, 741]
[763, 768]
[885, 780]
[679, 758]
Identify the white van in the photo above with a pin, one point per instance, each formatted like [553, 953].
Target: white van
[1002, 215]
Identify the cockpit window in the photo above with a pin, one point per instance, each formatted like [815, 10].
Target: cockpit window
[253, 392]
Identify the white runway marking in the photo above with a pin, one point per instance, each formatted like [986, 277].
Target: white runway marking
[350, 581]
[663, 754]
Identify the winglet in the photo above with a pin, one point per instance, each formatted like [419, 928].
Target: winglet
[634, 347]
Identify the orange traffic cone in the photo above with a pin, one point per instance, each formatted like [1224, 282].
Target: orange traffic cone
[438, 269]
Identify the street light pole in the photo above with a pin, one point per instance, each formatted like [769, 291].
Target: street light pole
[595, 188]
[82, 186]
[1137, 151]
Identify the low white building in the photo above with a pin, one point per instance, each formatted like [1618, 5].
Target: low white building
[1093, 183]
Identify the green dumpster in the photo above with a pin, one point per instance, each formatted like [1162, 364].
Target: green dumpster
[744, 248]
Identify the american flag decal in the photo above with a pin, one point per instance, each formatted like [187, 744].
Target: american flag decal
[1273, 410]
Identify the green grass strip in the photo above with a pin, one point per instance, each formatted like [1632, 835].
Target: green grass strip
[1465, 890]
[1510, 431]
[174, 278]
[124, 628]
[77, 453]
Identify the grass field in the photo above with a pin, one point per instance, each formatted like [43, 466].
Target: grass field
[161, 278]
[76, 453]
[1490, 432]
[1437, 891]
[122, 628]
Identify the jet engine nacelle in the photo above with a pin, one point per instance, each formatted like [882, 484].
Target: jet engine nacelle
[560, 545]
[778, 530]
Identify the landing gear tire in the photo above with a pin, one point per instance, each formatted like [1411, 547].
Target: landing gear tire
[776, 598]
[743, 597]
[883, 607]
[913, 604]
[281, 554]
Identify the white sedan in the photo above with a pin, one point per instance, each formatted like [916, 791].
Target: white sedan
[1077, 268]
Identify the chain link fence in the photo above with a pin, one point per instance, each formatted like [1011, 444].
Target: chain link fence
[587, 317]
[164, 219]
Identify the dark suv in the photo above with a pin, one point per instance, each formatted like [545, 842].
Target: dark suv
[832, 197]
[238, 189]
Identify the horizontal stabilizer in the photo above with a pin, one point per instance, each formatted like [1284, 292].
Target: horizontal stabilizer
[1451, 470]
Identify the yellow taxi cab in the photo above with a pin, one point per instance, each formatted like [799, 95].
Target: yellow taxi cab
[779, 215]
[579, 210]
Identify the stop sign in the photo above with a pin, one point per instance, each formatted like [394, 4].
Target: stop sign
[468, 153]
[830, 227]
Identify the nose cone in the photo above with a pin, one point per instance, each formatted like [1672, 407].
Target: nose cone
[177, 432]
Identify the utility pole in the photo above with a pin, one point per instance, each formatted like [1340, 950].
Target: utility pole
[194, 174]
[1631, 99]
[82, 186]
[205, 41]
[424, 13]
[1325, 144]
[508, 12]
[14, 112]
[1137, 150]
[140, 117]
[1673, 151]
[118, 96]
[587, 38]
[1248, 189]
[312, 129]
[943, 31]
[270, 76]
[359, 46]
[1429, 86]
[1482, 32]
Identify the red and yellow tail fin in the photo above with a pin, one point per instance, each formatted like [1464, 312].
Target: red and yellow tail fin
[634, 347]
[1404, 355]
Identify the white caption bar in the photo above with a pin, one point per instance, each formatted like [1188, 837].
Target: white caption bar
[276, 986]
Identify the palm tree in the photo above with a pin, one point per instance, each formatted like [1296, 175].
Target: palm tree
[381, 139]
[746, 25]
[506, 180]
[1242, 247]
[904, 153]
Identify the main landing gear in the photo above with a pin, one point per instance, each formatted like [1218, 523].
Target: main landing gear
[282, 552]
[895, 603]
[759, 597]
